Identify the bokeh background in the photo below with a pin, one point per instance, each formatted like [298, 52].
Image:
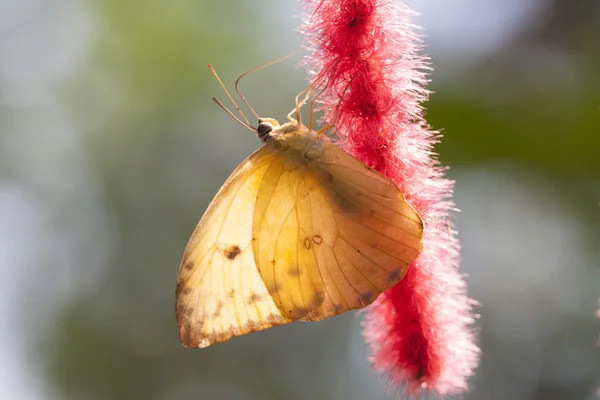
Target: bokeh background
[111, 149]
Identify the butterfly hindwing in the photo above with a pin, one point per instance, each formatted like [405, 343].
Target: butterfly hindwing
[369, 233]
[330, 233]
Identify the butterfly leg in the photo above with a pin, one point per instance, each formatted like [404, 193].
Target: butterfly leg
[298, 119]
[325, 129]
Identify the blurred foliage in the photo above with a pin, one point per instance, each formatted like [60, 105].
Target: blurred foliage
[158, 149]
[540, 130]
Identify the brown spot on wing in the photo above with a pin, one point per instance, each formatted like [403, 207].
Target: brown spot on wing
[300, 312]
[273, 318]
[189, 265]
[307, 243]
[316, 301]
[338, 308]
[254, 298]
[179, 288]
[234, 330]
[394, 276]
[189, 331]
[218, 309]
[366, 299]
[232, 251]
[213, 337]
[251, 325]
[273, 287]
[294, 271]
[317, 239]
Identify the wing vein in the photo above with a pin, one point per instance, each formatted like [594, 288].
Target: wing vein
[345, 277]
[232, 197]
[372, 230]
[358, 269]
[200, 280]
[380, 234]
[276, 243]
[297, 248]
[333, 279]
[241, 286]
[207, 229]
[310, 215]
[368, 258]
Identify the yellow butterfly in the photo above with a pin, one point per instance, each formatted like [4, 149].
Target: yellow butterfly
[301, 230]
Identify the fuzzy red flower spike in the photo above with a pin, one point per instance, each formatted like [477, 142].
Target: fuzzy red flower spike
[420, 330]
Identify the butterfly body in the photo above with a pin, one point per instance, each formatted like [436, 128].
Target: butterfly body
[301, 230]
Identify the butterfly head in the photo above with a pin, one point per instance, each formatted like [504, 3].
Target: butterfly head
[269, 129]
[265, 129]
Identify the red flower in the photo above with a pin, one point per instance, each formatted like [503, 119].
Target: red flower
[419, 331]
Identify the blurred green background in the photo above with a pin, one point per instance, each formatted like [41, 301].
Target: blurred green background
[111, 149]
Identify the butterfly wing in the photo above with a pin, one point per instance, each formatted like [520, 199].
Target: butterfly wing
[293, 236]
[220, 293]
[368, 233]
[331, 233]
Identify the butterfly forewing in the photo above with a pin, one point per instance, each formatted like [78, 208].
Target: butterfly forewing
[220, 293]
[331, 234]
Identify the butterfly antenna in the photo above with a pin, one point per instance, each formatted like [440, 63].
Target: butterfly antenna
[247, 124]
[250, 128]
[261, 67]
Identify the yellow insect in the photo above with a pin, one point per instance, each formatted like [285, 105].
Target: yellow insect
[301, 230]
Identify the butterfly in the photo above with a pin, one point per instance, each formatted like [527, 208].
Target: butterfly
[300, 231]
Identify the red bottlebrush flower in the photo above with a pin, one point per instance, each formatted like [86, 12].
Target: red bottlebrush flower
[420, 330]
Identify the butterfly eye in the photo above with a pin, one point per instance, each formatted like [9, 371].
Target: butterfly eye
[263, 129]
